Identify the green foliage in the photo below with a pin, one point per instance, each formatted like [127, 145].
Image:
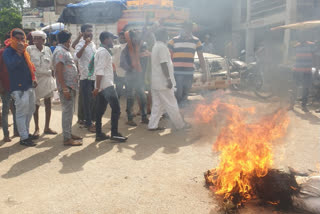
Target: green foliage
[9, 18]
[11, 3]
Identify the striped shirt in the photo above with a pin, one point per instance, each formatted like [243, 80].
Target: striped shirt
[304, 57]
[183, 51]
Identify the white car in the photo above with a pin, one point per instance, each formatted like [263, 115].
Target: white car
[218, 74]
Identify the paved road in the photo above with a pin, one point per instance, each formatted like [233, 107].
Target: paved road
[152, 173]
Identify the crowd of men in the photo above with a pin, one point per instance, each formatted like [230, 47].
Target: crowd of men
[143, 61]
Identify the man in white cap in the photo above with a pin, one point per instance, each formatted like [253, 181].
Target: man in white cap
[41, 57]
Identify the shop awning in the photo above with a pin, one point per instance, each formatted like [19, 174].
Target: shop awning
[299, 25]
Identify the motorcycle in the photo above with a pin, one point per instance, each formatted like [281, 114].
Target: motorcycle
[251, 78]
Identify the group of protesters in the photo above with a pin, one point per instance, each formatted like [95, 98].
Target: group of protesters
[30, 73]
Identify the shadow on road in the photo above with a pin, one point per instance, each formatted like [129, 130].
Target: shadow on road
[139, 142]
[6, 152]
[170, 143]
[37, 160]
[313, 119]
[144, 143]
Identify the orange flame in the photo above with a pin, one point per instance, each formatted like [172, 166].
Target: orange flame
[274, 203]
[245, 148]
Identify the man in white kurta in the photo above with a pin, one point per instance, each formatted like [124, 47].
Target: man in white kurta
[162, 85]
[119, 79]
[41, 57]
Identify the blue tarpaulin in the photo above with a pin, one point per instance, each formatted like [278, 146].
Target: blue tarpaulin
[93, 12]
[89, 2]
[55, 32]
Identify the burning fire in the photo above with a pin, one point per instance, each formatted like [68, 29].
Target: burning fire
[245, 147]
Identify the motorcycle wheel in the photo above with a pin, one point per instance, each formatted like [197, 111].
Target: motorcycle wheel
[236, 87]
[260, 89]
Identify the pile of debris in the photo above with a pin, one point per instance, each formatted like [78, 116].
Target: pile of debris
[284, 191]
[245, 144]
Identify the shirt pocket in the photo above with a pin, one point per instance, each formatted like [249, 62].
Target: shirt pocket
[47, 61]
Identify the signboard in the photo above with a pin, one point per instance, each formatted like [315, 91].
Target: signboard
[162, 3]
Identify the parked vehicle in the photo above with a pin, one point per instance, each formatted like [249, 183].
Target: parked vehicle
[218, 74]
[251, 78]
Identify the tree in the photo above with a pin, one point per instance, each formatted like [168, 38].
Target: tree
[12, 3]
[9, 18]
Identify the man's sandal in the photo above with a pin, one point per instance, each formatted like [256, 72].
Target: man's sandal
[74, 137]
[50, 132]
[72, 142]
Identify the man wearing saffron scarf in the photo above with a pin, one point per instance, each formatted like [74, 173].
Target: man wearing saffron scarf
[130, 62]
[22, 81]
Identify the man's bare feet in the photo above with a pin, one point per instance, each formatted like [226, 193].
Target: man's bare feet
[72, 142]
[6, 139]
[16, 134]
[36, 134]
[50, 132]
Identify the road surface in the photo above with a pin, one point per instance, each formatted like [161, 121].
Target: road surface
[155, 172]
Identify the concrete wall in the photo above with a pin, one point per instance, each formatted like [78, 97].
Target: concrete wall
[97, 29]
[31, 22]
[60, 5]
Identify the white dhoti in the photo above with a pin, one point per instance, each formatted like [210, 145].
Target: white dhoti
[165, 101]
[45, 88]
[42, 60]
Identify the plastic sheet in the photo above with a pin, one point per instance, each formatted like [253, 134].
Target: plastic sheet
[93, 12]
[309, 198]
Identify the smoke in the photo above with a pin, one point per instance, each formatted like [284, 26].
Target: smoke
[215, 14]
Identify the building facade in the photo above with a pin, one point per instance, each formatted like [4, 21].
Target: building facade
[43, 12]
[252, 20]
[36, 18]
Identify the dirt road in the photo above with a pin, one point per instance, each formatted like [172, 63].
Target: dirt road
[155, 172]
